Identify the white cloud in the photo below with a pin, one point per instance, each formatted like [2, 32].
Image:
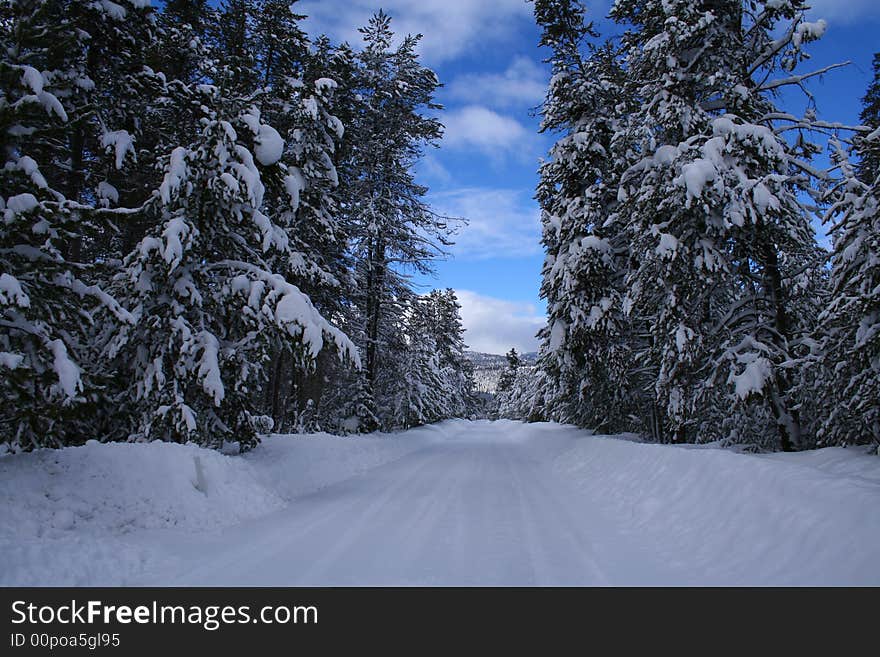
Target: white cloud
[451, 27]
[479, 128]
[432, 169]
[494, 325]
[524, 83]
[502, 223]
[844, 12]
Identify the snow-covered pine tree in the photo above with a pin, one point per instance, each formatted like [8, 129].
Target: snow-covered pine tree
[445, 326]
[233, 49]
[508, 376]
[584, 351]
[207, 303]
[851, 323]
[765, 177]
[281, 46]
[678, 244]
[720, 237]
[525, 399]
[47, 296]
[391, 228]
[415, 390]
[183, 27]
[869, 156]
[297, 100]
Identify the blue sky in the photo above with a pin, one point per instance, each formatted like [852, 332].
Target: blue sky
[485, 53]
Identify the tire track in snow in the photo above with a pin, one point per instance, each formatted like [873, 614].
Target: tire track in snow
[279, 533]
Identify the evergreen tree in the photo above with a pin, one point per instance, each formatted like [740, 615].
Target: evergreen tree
[184, 26]
[508, 376]
[235, 68]
[869, 161]
[207, 303]
[444, 325]
[391, 228]
[69, 80]
[850, 325]
[525, 399]
[298, 100]
[416, 393]
[682, 275]
[590, 379]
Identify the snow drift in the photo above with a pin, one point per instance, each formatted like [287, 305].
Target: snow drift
[718, 517]
[117, 514]
[72, 516]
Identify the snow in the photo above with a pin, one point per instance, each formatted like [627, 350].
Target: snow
[269, 146]
[11, 292]
[336, 126]
[668, 246]
[209, 367]
[247, 173]
[807, 31]
[329, 168]
[108, 191]
[596, 243]
[665, 155]
[764, 199]
[753, 378]
[9, 360]
[310, 106]
[30, 168]
[122, 143]
[52, 105]
[695, 176]
[83, 515]
[294, 184]
[230, 181]
[65, 369]
[176, 230]
[273, 235]
[469, 503]
[557, 335]
[683, 335]
[32, 78]
[295, 313]
[711, 516]
[869, 326]
[21, 203]
[175, 175]
[115, 11]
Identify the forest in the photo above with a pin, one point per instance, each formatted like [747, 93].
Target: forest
[235, 311]
[210, 222]
[688, 297]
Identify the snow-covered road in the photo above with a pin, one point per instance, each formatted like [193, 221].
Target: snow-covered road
[479, 508]
[459, 503]
[496, 504]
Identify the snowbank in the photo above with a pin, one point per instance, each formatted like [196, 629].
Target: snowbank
[72, 516]
[294, 465]
[117, 514]
[718, 517]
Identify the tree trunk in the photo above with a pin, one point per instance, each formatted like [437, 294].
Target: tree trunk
[275, 387]
[787, 419]
[375, 281]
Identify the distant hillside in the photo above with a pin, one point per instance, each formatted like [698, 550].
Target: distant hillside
[488, 367]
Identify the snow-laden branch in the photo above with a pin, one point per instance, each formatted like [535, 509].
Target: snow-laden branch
[294, 307]
[773, 49]
[798, 79]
